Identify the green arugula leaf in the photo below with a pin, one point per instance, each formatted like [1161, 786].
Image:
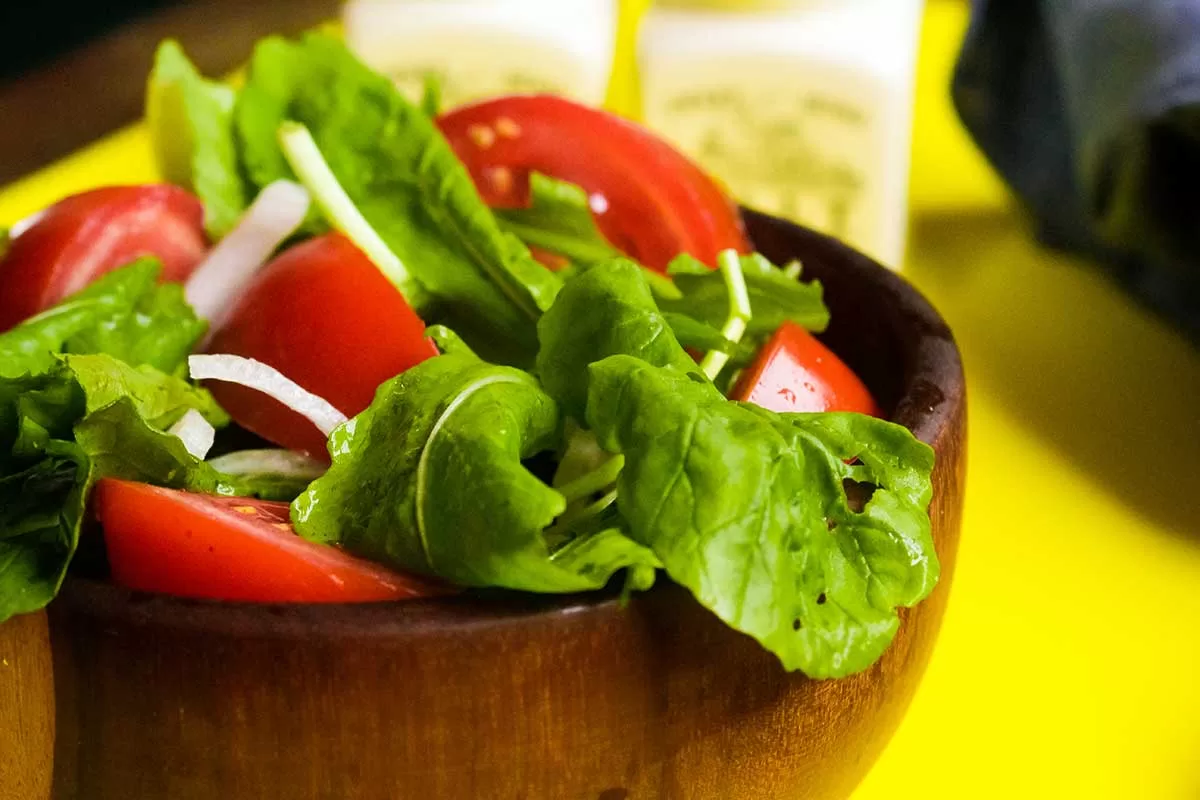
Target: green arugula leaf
[748, 510]
[603, 311]
[90, 416]
[429, 479]
[447, 341]
[191, 126]
[404, 178]
[774, 296]
[559, 219]
[126, 314]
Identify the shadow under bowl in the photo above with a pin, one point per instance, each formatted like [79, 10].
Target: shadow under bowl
[499, 695]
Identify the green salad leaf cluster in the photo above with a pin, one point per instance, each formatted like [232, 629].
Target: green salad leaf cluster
[90, 389]
[74, 408]
[396, 167]
[752, 511]
[564, 440]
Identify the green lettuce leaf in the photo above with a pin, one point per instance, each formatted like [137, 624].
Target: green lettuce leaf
[403, 176]
[88, 417]
[158, 398]
[430, 479]
[774, 296]
[121, 443]
[41, 509]
[191, 125]
[749, 510]
[605, 310]
[127, 314]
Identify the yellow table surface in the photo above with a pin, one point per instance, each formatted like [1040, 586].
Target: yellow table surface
[1069, 664]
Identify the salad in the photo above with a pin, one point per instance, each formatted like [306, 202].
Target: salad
[353, 349]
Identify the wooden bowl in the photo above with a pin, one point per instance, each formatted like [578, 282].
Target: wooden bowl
[509, 696]
[26, 709]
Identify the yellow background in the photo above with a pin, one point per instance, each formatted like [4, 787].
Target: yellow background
[1069, 664]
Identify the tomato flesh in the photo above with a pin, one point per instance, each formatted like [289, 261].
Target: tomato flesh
[657, 202]
[83, 236]
[323, 315]
[231, 548]
[795, 372]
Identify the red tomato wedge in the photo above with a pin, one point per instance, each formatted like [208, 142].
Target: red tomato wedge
[231, 548]
[323, 315]
[795, 372]
[658, 203]
[79, 238]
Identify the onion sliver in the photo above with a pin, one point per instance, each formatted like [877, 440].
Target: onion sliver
[286, 463]
[195, 432]
[274, 215]
[269, 381]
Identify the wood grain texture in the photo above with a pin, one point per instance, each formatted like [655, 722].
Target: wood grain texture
[26, 709]
[510, 697]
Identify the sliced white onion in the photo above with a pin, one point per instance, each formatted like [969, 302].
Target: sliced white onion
[195, 432]
[274, 215]
[269, 381]
[286, 463]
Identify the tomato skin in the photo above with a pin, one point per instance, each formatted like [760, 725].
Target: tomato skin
[231, 548]
[795, 372]
[659, 203]
[83, 236]
[326, 317]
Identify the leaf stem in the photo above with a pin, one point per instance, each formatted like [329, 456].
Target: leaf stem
[730, 265]
[310, 166]
[592, 482]
[576, 513]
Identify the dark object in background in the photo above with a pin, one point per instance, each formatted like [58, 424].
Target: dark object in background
[70, 81]
[1090, 109]
[40, 32]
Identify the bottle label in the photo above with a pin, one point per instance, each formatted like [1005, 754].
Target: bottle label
[808, 149]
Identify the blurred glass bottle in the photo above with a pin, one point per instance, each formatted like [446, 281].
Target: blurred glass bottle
[481, 48]
[803, 108]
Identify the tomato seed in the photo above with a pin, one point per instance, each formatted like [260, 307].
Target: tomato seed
[483, 136]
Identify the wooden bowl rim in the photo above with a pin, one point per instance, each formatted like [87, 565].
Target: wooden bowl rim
[933, 389]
